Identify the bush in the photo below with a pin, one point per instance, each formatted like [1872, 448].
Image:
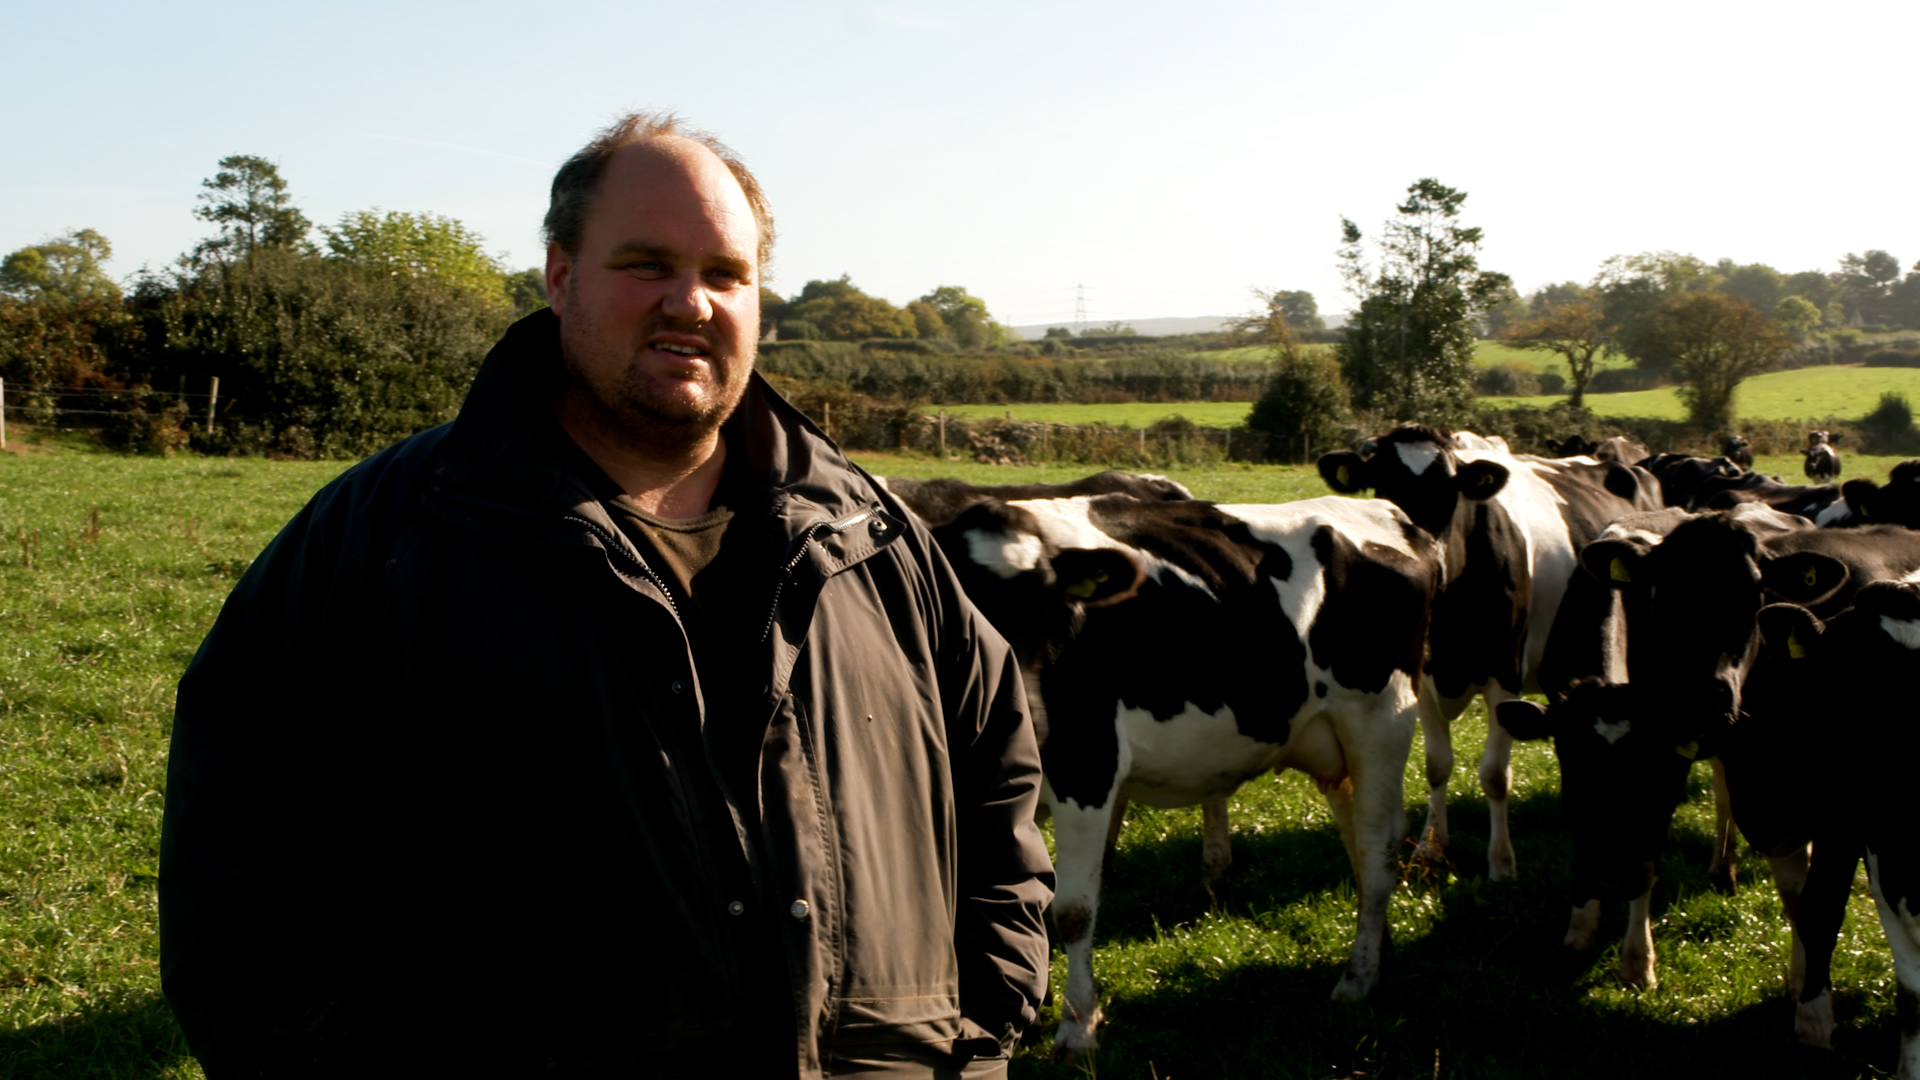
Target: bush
[1893, 358]
[1888, 429]
[1304, 408]
[1616, 380]
[1507, 380]
[1552, 383]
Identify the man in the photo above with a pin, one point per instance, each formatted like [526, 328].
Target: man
[619, 728]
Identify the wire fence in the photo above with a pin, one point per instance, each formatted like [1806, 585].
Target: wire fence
[51, 406]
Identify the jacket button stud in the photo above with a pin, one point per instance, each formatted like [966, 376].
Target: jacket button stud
[798, 910]
[678, 687]
[879, 526]
[736, 908]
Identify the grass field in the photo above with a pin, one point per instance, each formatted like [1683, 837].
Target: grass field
[101, 616]
[1819, 393]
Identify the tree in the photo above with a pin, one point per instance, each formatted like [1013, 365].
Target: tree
[400, 244]
[1865, 283]
[1408, 350]
[1503, 312]
[527, 291]
[1716, 341]
[248, 200]
[64, 269]
[964, 318]
[1756, 283]
[1796, 315]
[1577, 331]
[839, 311]
[1299, 309]
[1632, 289]
[1304, 405]
[1552, 296]
[927, 321]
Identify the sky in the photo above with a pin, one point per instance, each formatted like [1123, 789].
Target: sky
[1122, 159]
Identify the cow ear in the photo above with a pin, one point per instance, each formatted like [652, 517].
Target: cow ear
[1862, 497]
[1807, 578]
[1480, 479]
[1345, 472]
[1097, 577]
[1789, 632]
[1616, 563]
[1525, 720]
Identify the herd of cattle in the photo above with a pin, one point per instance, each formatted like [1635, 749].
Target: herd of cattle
[1670, 608]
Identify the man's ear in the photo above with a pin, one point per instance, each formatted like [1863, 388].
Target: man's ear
[1525, 720]
[1480, 479]
[1097, 577]
[1345, 472]
[1789, 632]
[1617, 563]
[559, 268]
[1807, 578]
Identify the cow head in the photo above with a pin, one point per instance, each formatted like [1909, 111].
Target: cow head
[1418, 469]
[1031, 589]
[1696, 595]
[1896, 503]
[1623, 770]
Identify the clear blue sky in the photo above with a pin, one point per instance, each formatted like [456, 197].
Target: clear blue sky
[1167, 157]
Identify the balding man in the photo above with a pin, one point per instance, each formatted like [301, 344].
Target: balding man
[619, 728]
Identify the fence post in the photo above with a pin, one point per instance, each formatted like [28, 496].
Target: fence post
[826, 418]
[213, 400]
[3, 414]
[1227, 445]
[942, 416]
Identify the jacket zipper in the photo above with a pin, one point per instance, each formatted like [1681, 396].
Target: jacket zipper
[786, 572]
[613, 544]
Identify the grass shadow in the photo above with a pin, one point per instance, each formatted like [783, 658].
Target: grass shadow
[139, 1041]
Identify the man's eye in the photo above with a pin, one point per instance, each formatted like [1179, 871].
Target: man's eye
[647, 268]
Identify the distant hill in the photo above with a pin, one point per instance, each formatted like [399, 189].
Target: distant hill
[1191, 324]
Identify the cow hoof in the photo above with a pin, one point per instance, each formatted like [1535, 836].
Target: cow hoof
[1501, 867]
[1352, 988]
[1075, 1037]
[1813, 1021]
[1637, 972]
[1580, 939]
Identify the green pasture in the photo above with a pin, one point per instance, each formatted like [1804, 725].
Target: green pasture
[1817, 393]
[101, 614]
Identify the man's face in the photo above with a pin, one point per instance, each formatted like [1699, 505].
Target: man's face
[660, 308]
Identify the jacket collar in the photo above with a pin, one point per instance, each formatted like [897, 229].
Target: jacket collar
[500, 450]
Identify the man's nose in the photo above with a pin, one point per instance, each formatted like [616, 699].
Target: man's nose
[687, 300]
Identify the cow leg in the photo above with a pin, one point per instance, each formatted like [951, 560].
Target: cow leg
[1582, 924]
[1114, 825]
[1216, 843]
[1376, 743]
[1790, 879]
[1902, 927]
[1496, 779]
[1436, 729]
[1079, 838]
[1636, 952]
[1818, 915]
[1720, 872]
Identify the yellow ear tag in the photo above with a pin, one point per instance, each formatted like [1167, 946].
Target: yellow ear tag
[1340, 474]
[1618, 571]
[1794, 648]
[1689, 749]
[1486, 480]
[1813, 577]
[1084, 588]
[1864, 513]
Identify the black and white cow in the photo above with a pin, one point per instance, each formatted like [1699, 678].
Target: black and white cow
[1177, 649]
[1591, 718]
[1823, 461]
[1818, 503]
[1895, 503]
[1737, 449]
[1783, 757]
[1692, 600]
[1510, 527]
[1684, 477]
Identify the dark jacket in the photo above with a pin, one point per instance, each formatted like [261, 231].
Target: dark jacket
[442, 790]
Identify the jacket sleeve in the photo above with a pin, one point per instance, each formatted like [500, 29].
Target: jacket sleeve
[1005, 877]
[250, 839]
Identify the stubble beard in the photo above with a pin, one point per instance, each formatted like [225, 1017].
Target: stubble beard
[627, 399]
